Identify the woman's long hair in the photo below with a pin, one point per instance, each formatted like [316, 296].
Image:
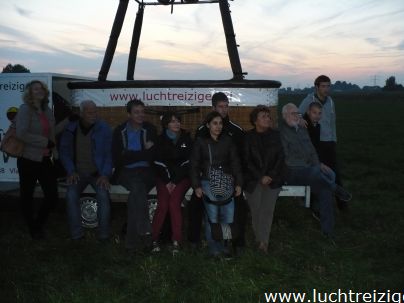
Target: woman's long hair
[28, 98]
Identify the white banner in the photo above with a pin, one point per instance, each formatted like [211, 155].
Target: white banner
[177, 96]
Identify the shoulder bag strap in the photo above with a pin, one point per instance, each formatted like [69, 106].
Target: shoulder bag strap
[210, 154]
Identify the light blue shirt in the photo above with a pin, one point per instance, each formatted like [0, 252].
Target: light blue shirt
[134, 144]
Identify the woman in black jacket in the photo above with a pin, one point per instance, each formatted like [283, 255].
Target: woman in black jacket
[216, 150]
[173, 150]
[263, 170]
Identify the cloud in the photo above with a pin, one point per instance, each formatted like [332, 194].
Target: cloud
[373, 41]
[91, 49]
[401, 46]
[168, 43]
[7, 41]
[23, 12]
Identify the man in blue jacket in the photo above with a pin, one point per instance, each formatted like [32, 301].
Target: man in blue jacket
[85, 153]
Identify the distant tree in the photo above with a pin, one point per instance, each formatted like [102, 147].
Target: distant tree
[17, 68]
[391, 84]
[344, 86]
[371, 88]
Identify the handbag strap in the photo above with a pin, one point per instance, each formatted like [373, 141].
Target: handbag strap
[210, 154]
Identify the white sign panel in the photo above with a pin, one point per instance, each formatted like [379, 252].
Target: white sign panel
[11, 90]
[176, 96]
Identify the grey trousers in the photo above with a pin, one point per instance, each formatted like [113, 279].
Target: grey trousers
[262, 205]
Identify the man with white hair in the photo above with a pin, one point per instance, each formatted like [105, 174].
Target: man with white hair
[304, 167]
[85, 153]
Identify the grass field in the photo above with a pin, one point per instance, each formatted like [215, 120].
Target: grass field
[368, 255]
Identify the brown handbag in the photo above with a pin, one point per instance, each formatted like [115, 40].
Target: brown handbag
[10, 144]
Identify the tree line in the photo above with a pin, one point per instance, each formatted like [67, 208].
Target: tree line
[338, 86]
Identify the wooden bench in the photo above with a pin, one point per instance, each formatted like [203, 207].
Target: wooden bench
[119, 193]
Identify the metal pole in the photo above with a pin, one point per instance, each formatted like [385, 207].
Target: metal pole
[137, 30]
[113, 39]
[231, 40]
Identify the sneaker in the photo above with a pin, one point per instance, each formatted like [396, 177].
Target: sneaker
[227, 254]
[263, 248]
[155, 247]
[176, 247]
[342, 205]
[329, 238]
[316, 215]
[342, 194]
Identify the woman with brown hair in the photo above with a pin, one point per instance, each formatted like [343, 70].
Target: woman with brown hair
[216, 153]
[263, 172]
[173, 150]
[35, 126]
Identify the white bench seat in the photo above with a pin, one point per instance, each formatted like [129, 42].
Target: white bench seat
[119, 193]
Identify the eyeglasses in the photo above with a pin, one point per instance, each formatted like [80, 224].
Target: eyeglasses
[295, 114]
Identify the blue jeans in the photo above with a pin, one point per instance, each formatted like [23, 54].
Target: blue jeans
[321, 184]
[138, 181]
[215, 214]
[74, 210]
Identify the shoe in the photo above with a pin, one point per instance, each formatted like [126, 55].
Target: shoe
[214, 255]
[263, 248]
[103, 241]
[176, 247]
[342, 205]
[227, 254]
[155, 247]
[330, 238]
[316, 215]
[37, 233]
[342, 194]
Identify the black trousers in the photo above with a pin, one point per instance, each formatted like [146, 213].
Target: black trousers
[30, 172]
[328, 156]
[196, 212]
[241, 210]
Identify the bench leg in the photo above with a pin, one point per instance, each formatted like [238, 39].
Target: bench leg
[307, 204]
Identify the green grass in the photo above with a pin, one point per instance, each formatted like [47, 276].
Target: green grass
[368, 254]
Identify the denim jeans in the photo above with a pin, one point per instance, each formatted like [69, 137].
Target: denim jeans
[74, 210]
[323, 186]
[138, 181]
[215, 214]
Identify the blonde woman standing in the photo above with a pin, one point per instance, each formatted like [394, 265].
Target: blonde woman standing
[35, 126]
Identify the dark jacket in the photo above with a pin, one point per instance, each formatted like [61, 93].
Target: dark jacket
[229, 128]
[297, 146]
[224, 155]
[314, 132]
[101, 136]
[263, 156]
[172, 159]
[121, 156]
